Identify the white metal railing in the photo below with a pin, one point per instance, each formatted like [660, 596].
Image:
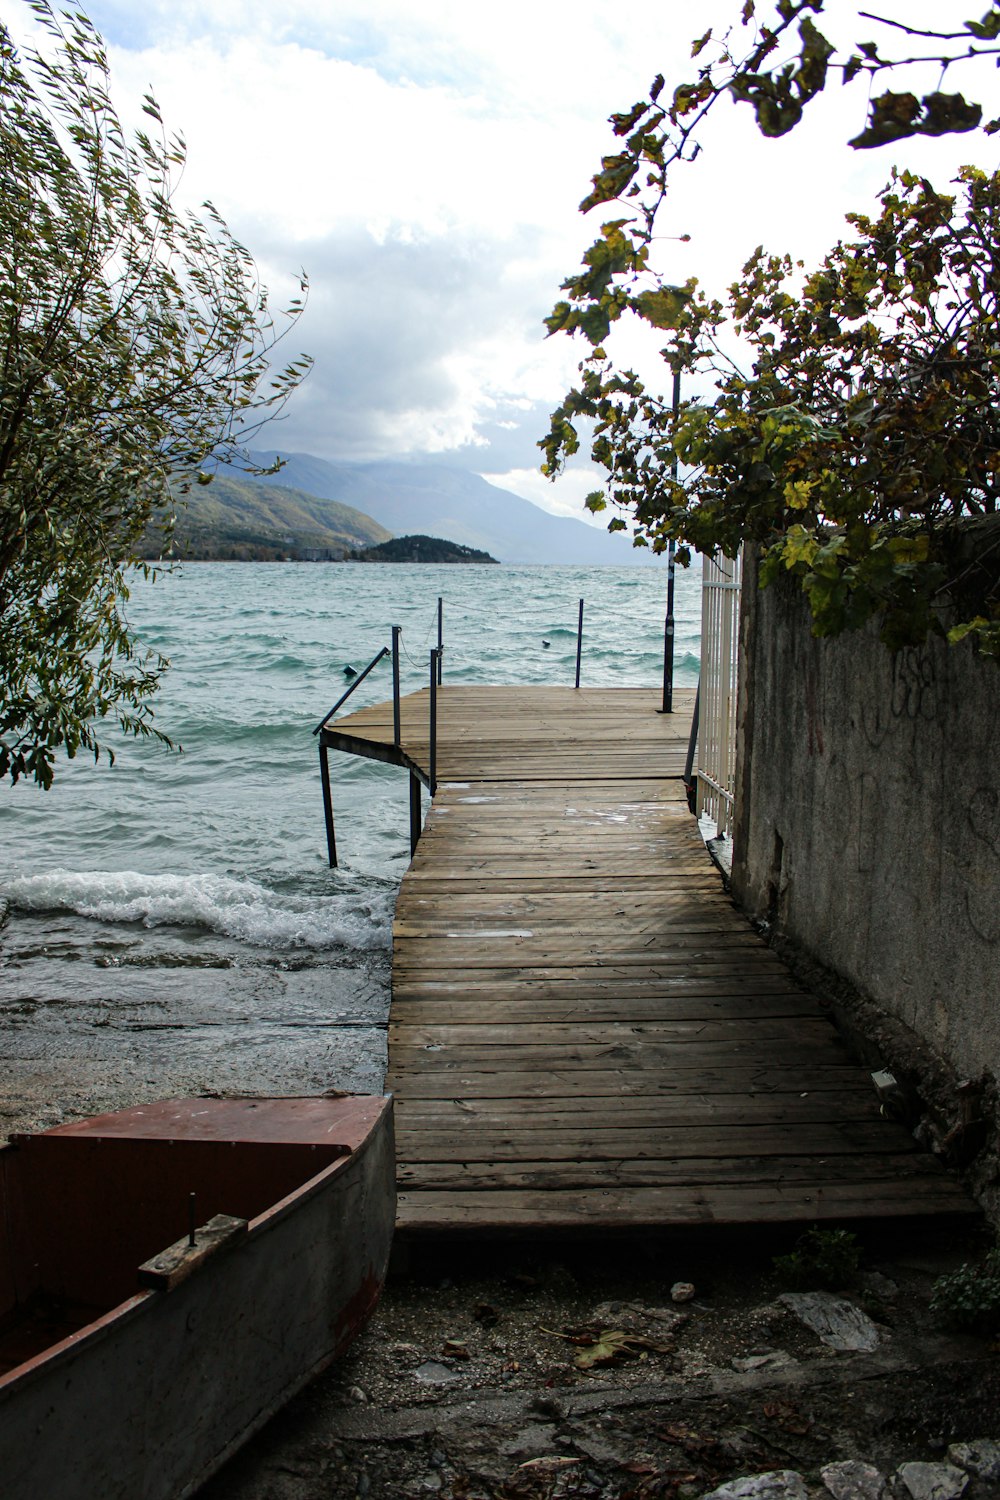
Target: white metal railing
[720, 636]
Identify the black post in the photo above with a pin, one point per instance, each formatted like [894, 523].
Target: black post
[415, 810]
[432, 768]
[690, 779]
[668, 627]
[579, 644]
[396, 632]
[440, 638]
[331, 837]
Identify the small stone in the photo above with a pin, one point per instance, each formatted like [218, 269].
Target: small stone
[981, 1458]
[404, 1351]
[838, 1323]
[932, 1481]
[364, 1484]
[433, 1372]
[357, 1394]
[853, 1480]
[682, 1291]
[779, 1484]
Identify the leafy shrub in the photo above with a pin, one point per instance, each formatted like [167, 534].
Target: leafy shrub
[822, 1260]
[970, 1296]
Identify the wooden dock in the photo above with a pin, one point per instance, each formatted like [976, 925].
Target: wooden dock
[584, 1032]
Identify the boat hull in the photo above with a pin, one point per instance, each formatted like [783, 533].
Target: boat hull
[150, 1398]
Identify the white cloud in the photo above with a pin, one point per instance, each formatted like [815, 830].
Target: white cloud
[424, 164]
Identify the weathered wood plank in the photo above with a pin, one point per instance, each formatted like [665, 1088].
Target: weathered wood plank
[567, 1139]
[512, 1211]
[602, 1174]
[616, 1083]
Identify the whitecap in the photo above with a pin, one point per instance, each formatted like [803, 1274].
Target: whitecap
[240, 909]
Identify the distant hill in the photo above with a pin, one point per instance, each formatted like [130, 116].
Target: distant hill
[420, 549]
[452, 503]
[237, 518]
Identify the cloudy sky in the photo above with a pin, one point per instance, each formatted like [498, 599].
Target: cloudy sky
[424, 161]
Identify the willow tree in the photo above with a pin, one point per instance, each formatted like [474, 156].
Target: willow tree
[865, 432]
[136, 343]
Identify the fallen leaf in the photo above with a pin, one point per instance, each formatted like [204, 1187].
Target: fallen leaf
[546, 1463]
[455, 1349]
[695, 1444]
[788, 1417]
[485, 1314]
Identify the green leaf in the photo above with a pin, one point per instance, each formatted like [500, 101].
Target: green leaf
[665, 307]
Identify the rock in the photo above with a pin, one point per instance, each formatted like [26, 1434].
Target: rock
[779, 1484]
[357, 1394]
[853, 1480]
[838, 1323]
[682, 1291]
[433, 1372]
[932, 1481]
[981, 1458]
[776, 1359]
[875, 1284]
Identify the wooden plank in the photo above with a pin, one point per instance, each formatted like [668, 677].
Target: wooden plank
[515, 1211]
[602, 1174]
[781, 1033]
[619, 1082]
[451, 1115]
[511, 1008]
[676, 1058]
[578, 1139]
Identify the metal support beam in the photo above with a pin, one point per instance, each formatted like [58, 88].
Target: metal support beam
[432, 752]
[396, 731]
[579, 644]
[331, 837]
[415, 812]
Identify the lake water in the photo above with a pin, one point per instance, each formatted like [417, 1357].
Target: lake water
[170, 923]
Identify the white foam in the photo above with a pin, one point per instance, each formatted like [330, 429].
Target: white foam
[240, 909]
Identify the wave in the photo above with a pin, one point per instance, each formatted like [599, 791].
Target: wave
[239, 909]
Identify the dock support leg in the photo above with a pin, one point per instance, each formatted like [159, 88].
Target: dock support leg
[331, 837]
[415, 810]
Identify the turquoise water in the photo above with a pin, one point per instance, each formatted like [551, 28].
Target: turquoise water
[181, 903]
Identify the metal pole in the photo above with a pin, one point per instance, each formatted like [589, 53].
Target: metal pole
[690, 779]
[579, 644]
[440, 637]
[415, 810]
[396, 632]
[433, 723]
[331, 837]
[668, 627]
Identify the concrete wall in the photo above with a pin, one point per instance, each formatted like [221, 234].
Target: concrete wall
[868, 822]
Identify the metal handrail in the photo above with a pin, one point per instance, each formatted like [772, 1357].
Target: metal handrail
[356, 683]
[435, 668]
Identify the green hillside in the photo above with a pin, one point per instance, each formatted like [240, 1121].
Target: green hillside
[235, 518]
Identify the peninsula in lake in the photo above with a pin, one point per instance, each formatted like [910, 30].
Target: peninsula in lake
[420, 549]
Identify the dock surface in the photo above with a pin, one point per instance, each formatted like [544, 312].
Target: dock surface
[584, 1032]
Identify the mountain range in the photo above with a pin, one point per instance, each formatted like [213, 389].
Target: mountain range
[442, 501]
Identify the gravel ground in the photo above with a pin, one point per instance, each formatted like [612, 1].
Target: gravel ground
[468, 1382]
